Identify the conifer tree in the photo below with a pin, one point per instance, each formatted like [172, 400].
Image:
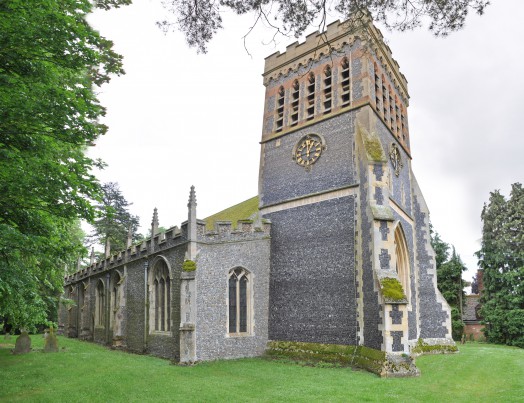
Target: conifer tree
[449, 280]
[114, 220]
[502, 259]
[450, 284]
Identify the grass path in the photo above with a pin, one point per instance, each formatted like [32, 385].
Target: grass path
[86, 372]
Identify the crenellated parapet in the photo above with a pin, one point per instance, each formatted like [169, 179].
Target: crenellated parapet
[225, 231]
[337, 35]
[174, 236]
[190, 231]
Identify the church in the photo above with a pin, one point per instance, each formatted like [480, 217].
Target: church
[332, 259]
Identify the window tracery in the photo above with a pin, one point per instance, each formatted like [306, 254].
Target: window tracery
[239, 292]
[160, 299]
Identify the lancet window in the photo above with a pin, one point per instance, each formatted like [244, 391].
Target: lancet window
[402, 262]
[160, 300]
[239, 292]
[100, 305]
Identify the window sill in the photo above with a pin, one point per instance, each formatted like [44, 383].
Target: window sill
[160, 333]
[238, 335]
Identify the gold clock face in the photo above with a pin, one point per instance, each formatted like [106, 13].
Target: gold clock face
[308, 150]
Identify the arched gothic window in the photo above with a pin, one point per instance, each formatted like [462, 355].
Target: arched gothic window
[115, 299]
[100, 305]
[402, 263]
[160, 300]
[239, 292]
[70, 295]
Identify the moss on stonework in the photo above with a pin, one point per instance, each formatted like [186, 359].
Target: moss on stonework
[392, 289]
[188, 265]
[340, 355]
[423, 348]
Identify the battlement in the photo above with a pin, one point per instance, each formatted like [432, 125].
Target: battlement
[223, 231]
[334, 38]
[244, 230]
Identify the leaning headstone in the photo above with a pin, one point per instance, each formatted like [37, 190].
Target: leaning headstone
[23, 344]
[51, 342]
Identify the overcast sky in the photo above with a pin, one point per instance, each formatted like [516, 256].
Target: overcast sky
[178, 119]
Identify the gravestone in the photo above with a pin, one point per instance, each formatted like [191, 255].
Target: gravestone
[23, 344]
[51, 342]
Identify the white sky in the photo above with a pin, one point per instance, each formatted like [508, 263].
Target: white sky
[178, 119]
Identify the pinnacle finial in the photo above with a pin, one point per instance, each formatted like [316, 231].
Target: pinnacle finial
[154, 223]
[107, 249]
[92, 256]
[155, 217]
[129, 241]
[192, 197]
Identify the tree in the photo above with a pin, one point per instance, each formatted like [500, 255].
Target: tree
[440, 247]
[200, 20]
[502, 259]
[449, 280]
[114, 219]
[450, 284]
[50, 58]
[476, 283]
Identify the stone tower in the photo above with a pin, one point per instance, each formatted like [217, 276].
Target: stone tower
[351, 261]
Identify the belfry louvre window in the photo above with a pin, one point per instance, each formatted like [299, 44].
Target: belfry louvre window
[239, 297]
[280, 110]
[294, 103]
[328, 79]
[311, 97]
[345, 81]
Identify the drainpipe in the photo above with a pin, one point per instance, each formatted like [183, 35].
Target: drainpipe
[146, 266]
[107, 308]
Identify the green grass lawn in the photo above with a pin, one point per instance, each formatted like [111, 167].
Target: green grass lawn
[86, 372]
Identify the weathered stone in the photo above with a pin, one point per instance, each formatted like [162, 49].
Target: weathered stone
[51, 342]
[23, 344]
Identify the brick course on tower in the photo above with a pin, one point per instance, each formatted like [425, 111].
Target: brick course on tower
[337, 254]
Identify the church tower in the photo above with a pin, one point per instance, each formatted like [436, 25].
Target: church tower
[351, 261]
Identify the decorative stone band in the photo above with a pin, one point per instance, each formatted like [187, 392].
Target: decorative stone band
[311, 199]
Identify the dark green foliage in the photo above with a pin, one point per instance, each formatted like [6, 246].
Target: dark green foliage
[114, 222]
[392, 289]
[502, 259]
[475, 283]
[449, 280]
[450, 284]
[200, 20]
[440, 247]
[50, 58]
